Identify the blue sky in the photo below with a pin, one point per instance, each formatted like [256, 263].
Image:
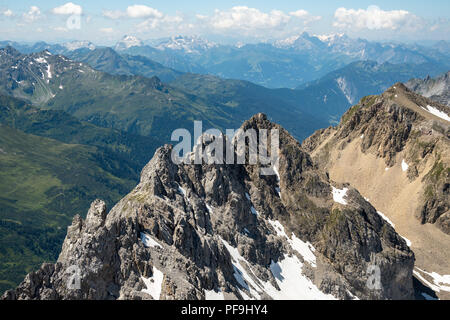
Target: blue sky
[106, 21]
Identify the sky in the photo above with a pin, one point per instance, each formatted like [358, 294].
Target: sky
[106, 21]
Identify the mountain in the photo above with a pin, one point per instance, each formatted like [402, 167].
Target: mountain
[128, 42]
[53, 166]
[44, 184]
[185, 44]
[437, 89]
[139, 105]
[226, 232]
[286, 63]
[76, 45]
[109, 61]
[340, 89]
[361, 49]
[134, 151]
[395, 149]
[53, 48]
[245, 98]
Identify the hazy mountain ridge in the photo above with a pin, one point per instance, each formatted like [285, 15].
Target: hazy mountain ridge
[286, 63]
[139, 105]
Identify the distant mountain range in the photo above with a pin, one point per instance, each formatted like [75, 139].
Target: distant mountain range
[286, 63]
[78, 88]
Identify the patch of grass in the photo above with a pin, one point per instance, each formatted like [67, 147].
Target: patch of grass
[44, 183]
[349, 114]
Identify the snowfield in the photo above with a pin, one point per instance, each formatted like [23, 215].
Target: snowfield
[437, 112]
[154, 284]
[149, 242]
[405, 166]
[338, 195]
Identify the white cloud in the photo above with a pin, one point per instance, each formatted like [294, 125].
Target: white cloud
[107, 30]
[373, 18]
[141, 11]
[135, 11]
[68, 9]
[245, 18]
[60, 29]
[32, 15]
[299, 13]
[153, 18]
[113, 14]
[8, 13]
[305, 16]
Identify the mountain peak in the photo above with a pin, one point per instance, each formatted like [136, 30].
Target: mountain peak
[127, 42]
[188, 44]
[75, 45]
[242, 236]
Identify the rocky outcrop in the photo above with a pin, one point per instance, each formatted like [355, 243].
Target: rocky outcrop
[394, 123]
[437, 89]
[226, 231]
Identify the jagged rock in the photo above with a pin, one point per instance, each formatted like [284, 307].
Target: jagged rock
[187, 231]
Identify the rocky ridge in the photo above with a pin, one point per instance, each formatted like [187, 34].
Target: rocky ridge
[395, 149]
[217, 231]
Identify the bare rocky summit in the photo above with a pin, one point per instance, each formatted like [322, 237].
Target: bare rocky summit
[217, 231]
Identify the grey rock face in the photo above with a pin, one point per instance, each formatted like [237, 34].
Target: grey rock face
[437, 89]
[202, 231]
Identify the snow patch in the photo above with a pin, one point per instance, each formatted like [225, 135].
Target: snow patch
[149, 242]
[49, 73]
[437, 112]
[345, 88]
[154, 284]
[240, 273]
[210, 209]
[338, 195]
[386, 219]
[408, 242]
[40, 60]
[405, 166]
[305, 249]
[182, 191]
[214, 295]
[254, 211]
[292, 283]
[439, 282]
[277, 189]
[287, 273]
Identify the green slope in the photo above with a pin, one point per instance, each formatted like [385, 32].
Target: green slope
[43, 184]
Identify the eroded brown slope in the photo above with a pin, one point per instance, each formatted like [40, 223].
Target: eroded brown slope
[396, 154]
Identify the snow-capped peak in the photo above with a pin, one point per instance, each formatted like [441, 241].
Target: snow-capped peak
[329, 37]
[188, 44]
[287, 42]
[128, 42]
